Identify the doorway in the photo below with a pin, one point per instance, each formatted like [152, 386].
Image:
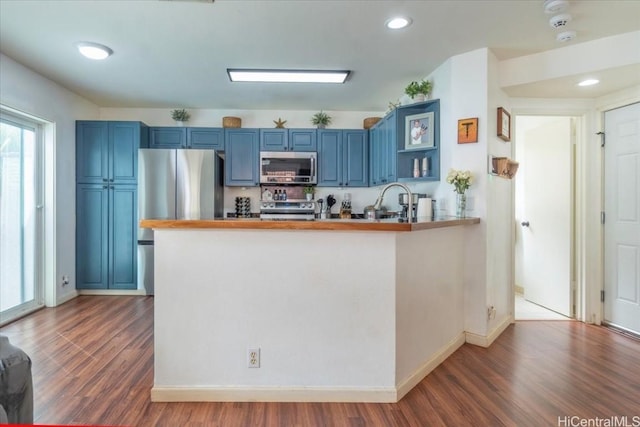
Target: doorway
[544, 213]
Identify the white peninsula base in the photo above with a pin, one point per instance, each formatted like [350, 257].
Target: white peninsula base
[337, 315]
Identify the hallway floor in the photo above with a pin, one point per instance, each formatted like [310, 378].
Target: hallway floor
[526, 310]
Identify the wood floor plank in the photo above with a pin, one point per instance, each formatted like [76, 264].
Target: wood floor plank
[93, 364]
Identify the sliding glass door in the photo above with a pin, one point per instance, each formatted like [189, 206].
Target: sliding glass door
[21, 281]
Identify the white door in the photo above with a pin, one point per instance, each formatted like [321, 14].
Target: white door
[622, 221]
[546, 215]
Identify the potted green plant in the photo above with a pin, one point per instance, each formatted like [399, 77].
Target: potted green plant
[418, 91]
[180, 116]
[321, 119]
[308, 192]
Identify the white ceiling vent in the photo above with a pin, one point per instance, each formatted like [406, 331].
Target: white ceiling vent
[566, 36]
[560, 21]
[555, 6]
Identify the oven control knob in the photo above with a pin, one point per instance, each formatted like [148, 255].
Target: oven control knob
[272, 205]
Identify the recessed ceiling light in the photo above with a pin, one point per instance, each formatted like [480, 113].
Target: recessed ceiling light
[94, 50]
[398, 23]
[287, 76]
[589, 82]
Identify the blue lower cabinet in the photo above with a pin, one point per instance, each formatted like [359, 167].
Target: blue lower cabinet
[343, 158]
[106, 231]
[242, 154]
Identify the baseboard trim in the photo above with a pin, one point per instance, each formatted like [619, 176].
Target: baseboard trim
[409, 383]
[135, 292]
[273, 394]
[66, 298]
[486, 341]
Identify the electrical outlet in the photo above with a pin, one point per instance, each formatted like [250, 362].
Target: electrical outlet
[491, 313]
[253, 358]
[65, 280]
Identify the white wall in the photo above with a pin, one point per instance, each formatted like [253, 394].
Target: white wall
[574, 59]
[29, 92]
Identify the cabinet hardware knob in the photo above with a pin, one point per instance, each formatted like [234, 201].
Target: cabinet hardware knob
[104, 186]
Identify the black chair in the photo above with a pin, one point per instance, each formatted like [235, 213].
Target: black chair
[16, 385]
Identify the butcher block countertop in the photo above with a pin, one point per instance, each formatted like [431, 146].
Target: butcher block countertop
[324, 224]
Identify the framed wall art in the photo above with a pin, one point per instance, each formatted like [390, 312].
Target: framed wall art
[419, 131]
[468, 130]
[504, 124]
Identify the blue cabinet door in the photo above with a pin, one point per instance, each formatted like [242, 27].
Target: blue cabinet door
[375, 155]
[107, 152]
[274, 140]
[329, 158]
[92, 235]
[123, 231]
[124, 141]
[92, 152]
[241, 157]
[303, 139]
[167, 137]
[205, 138]
[390, 149]
[355, 158]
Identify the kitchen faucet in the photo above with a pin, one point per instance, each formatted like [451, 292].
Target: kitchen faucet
[378, 203]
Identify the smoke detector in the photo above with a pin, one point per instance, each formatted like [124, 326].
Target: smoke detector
[555, 6]
[560, 21]
[566, 36]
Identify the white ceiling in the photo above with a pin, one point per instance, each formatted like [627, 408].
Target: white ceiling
[170, 54]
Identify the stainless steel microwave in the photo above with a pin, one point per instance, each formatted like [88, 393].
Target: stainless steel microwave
[287, 167]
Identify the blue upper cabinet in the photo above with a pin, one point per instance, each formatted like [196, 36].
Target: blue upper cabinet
[108, 151]
[355, 160]
[329, 158]
[343, 158]
[205, 138]
[303, 139]
[168, 137]
[187, 137]
[274, 140]
[375, 154]
[242, 157]
[288, 140]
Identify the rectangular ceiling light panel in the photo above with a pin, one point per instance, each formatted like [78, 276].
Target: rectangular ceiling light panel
[287, 76]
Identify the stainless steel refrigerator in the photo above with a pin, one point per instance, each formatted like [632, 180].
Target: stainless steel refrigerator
[175, 184]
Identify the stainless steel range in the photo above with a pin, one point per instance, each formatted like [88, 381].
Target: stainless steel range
[292, 209]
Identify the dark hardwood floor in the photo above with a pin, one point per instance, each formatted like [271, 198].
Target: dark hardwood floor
[93, 364]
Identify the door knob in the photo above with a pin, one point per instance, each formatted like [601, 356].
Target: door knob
[525, 223]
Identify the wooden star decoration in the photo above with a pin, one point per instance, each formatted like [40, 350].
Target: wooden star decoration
[279, 123]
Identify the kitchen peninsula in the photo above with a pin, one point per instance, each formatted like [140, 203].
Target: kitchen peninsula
[340, 310]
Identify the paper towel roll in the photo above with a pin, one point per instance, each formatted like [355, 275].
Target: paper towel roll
[424, 208]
